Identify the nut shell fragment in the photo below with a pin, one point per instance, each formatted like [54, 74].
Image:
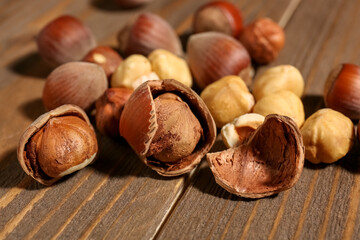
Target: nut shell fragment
[270, 162]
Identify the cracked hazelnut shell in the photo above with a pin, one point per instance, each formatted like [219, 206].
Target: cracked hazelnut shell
[271, 160]
[57, 143]
[155, 131]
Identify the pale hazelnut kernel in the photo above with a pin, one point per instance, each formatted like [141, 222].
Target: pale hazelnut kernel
[283, 103]
[283, 77]
[132, 72]
[328, 136]
[227, 99]
[169, 66]
[237, 132]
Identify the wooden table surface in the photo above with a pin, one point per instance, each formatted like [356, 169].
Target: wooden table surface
[118, 196]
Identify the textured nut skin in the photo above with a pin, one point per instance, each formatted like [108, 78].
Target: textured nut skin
[218, 16]
[227, 99]
[342, 88]
[78, 83]
[66, 110]
[169, 66]
[283, 77]
[106, 57]
[109, 108]
[65, 39]
[132, 72]
[131, 3]
[284, 103]
[147, 32]
[328, 136]
[140, 127]
[238, 131]
[264, 40]
[271, 160]
[213, 55]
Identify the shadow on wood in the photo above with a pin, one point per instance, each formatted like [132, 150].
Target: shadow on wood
[312, 103]
[110, 5]
[31, 65]
[32, 109]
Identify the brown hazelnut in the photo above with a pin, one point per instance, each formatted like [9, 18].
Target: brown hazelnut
[264, 40]
[78, 83]
[213, 55]
[218, 16]
[65, 39]
[173, 130]
[147, 32]
[328, 136]
[227, 99]
[342, 89]
[131, 3]
[109, 108]
[106, 57]
[57, 143]
[271, 160]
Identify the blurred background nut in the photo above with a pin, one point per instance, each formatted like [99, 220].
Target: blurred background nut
[264, 40]
[283, 77]
[132, 72]
[109, 108]
[218, 16]
[283, 103]
[78, 83]
[106, 57]
[169, 66]
[328, 136]
[342, 90]
[227, 99]
[64, 39]
[238, 131]
[147, 32]
[57, 143]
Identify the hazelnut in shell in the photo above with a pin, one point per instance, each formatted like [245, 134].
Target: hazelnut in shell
[328, 136]
[56, 144]
[173, 130]
[270, 161]
[227, 99]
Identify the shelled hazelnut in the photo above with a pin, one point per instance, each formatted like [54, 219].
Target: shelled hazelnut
[213, 55]
[269, 162]
[56, 144]
[227, 99]
[65, 39]
[109, 108]
[283, 77]
[283, 103]
[328, 136]
[78, 83]
[173, 130]
[218, 16]
[264, 40]
[342, 88]
[147, 32]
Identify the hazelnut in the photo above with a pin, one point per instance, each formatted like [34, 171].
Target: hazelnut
[147, 32]
[173, 130]
[328, 136]
[342, 88]
[213, 55]
[106, 57]
[109, 108]
[169, 66]
[218, 16]
[283, 103]
[238, 131]
[270, 161]
[57, 143]
[227, 99]
[283, 77]
[264, 39]
[131, 3]
[132, 72]
[65, 39]
[78, 83]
